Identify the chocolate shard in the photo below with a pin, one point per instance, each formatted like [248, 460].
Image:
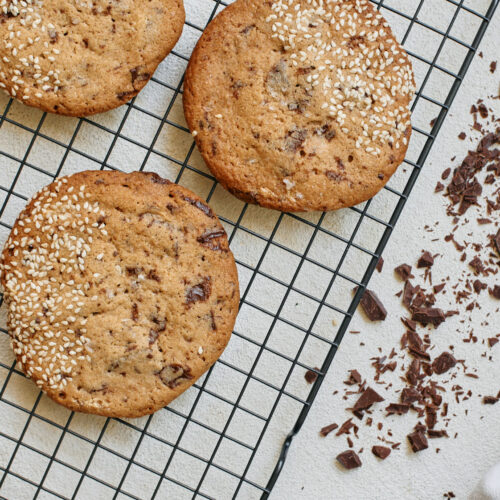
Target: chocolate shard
[354, 378]
[426, 260]
[404, 272]
[426, 315]
[490, 400]
[349, 460]
[493, 341]
[443, 363]
[381, 452]
[373, 307]
[367, 399]
[397, 409]
[418, 441]
[496, 239]
[495, 292]
[410, 395]
[326, 430]
[413, 373]
[408, 294]
[380, 265]
[433, 433]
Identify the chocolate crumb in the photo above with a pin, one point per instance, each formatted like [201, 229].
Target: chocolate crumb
[311, 375]
[462, 136]
[380, 265]
[493, 66]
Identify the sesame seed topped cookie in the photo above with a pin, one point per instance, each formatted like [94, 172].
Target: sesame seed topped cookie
[300, 104]
[80, 57]
[121, 291]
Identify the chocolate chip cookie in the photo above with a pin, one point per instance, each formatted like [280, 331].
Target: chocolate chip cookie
[121, 291]
[85, 56]
[300, 105]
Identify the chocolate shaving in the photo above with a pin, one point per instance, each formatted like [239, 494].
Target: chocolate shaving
[490, 400]
[326, 430]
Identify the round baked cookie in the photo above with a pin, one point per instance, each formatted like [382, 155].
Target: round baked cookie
[80, 57]
[121, 291]
[300, 104]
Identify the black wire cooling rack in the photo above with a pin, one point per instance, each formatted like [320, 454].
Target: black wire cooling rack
[227, 436]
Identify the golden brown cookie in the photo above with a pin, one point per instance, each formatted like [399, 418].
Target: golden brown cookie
[300, 104]
[84, 56]
[121, 291]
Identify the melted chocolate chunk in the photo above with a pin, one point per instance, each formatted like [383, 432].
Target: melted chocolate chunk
[200, 292]
[294, 139]
[210, 239]
[200, 206]
[174, 374]
[349, 460]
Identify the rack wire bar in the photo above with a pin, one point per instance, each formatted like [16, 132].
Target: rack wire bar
[228, 436]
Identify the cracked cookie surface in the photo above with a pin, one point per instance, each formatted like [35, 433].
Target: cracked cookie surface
[300, 105]
[80, 57]
[121, 291]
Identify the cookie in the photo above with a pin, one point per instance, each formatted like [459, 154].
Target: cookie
[121, 291]
[83, 57]
[300, 105]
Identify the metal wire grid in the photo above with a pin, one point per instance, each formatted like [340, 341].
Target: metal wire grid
[236, 462]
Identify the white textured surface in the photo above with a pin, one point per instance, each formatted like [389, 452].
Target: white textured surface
[311, 471]
[310, 463]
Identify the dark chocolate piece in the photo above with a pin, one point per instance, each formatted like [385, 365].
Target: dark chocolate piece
[366, 399]
[426, 315]
[381, 452]
[443, 363]
[426, 260]
[311, 375]
[404, 272]
[349, 460]
[373, 307]
[326, 430]
[397, 409]
[418, 441]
